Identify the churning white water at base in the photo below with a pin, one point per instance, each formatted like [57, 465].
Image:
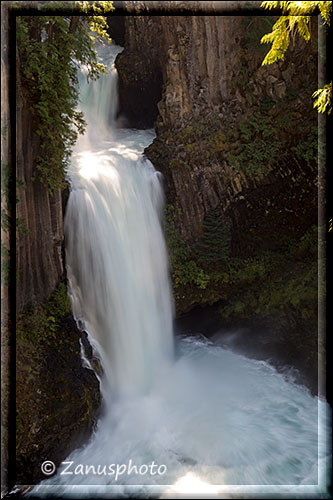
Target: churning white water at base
[197, 421]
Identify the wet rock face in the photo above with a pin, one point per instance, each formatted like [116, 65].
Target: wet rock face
[57, 401]
[140, 73]
[117, 29]
[214, 88]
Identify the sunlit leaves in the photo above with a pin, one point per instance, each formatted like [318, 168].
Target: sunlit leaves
[297, 8]
[296, 18]
[325, 10]
[97, 20]
[323, 100]
[295, 15]
[302, 25]
[269, 5]
[279, 38]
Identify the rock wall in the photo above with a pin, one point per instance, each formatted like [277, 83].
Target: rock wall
[237, 145]
[57, 400]
[140, 89]
[56, 396]
[211, 71]
[39, 259]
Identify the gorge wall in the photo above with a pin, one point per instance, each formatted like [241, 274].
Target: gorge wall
[40, 238]
[55, 394]
[211, 73]
[237, 145]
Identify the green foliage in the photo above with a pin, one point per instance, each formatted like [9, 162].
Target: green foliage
[296, 17]
[271, 282]
[39, 324]
[307, 149]
[95, 13]
[298, 8]
[97, 20]
[254, 28]
[189, 273]
[271, 133]
[214, 244]
[58, 304]
[51, 49]
[284, 281]
[6, 219]
[257, 149]
[185, 270]
[5, 264]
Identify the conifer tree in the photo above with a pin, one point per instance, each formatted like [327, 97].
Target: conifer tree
[214, 245]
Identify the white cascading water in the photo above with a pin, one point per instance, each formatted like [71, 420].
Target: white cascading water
[116, 256]
[216, 423]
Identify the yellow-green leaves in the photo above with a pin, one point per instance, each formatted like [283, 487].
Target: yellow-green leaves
[279, 38]
[97, 17]
[296, 16]
[295, 19]
[269, 5]
[325, 10]
[324, 99]
[96, 7]
[302, 8]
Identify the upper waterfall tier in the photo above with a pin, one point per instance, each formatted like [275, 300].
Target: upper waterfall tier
[117, 262]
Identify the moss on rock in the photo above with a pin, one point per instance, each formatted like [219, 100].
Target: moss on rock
[57, 400]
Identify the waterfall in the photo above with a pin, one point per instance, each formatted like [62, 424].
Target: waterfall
[203, 420]
[117, 263]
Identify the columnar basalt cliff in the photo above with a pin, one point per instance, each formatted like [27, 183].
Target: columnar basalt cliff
[237, 145]
[211, 68]
[55, 393]
[40, 214]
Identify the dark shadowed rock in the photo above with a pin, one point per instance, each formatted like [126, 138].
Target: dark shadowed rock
[58, 400]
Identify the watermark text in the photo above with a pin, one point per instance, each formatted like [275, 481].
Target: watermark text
[117, 470]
